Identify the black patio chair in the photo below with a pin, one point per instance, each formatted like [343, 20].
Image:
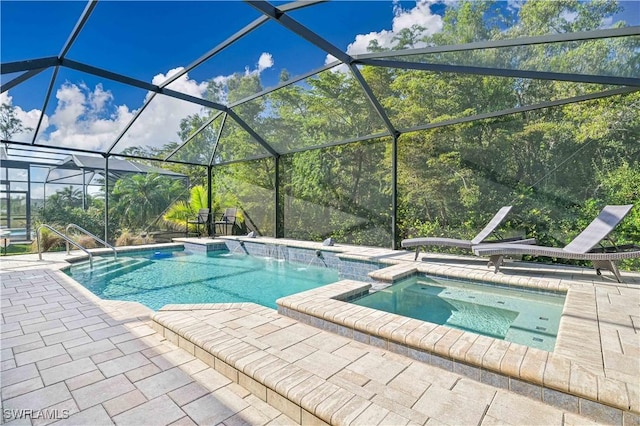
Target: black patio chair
[200, 222]
[227, 219]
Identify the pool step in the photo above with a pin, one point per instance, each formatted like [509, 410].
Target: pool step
[129, 267]
[86, 266]
[102, 264]
[317, 377]
[106, 268]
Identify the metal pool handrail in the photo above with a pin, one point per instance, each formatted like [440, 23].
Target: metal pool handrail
[106, 244]
[64, 237]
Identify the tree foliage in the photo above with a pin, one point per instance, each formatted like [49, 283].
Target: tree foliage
[557, 165]
[139, 200]
[10, 124]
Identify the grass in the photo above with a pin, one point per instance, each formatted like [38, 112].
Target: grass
[15, 249]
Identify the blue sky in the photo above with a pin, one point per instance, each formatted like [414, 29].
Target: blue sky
[143, 39]
[148, 40]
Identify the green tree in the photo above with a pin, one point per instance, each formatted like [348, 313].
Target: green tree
[557, 166]
[10, 124]
[138, 200]
[67, 197]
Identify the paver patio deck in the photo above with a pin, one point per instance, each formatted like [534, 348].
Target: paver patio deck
[331, 379]
[65, 349]
[70, 358]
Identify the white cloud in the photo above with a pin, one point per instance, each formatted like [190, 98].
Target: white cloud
[159, 123]
[420, 15]
[87, 118]
[265, 61]
[72, 104]
[100, 97]
[84, 118]
[182, 84]
[330, 58]
[91, 119]
[29, 119]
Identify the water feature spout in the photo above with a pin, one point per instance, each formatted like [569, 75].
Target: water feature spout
[240, 246]
[319, 257]
[277, 252]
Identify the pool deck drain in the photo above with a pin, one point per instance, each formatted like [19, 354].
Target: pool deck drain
[46, 316]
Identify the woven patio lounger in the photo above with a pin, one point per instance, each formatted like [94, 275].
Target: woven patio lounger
[580, 248]
[467, 244]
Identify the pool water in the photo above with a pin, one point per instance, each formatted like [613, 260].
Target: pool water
[519, 316]
[159, 278]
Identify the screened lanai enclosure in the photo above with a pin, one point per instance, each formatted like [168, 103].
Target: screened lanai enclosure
[316, 120]
[71, 178]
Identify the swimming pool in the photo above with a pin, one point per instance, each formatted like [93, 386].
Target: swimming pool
[159, 278]
[519, 316]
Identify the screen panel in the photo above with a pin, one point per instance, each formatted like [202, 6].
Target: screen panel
[161, 127]
[343, 192]
[22, 106]
[249, 187]
[557, 167]
[413, 98]
[87, 112]
[150, 41]
[30, 30]
[148, 206]
[252, 63]
[236, 144]
[201, 140]
[616, 57]
[372, 26]
[328, 107]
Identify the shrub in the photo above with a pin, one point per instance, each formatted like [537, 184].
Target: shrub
[87, 242]
[48, 241]
[128, 238]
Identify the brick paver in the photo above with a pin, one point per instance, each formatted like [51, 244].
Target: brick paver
[74, 359]
[88, 361]
[378, 385]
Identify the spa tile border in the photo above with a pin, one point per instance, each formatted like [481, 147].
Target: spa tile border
[395, 273]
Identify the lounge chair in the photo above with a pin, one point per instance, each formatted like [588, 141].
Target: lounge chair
[581, 248]
[467, 244]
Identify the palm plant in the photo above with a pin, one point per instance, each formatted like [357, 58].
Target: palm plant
[66, 197]
[139, 199]
[181, 211]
